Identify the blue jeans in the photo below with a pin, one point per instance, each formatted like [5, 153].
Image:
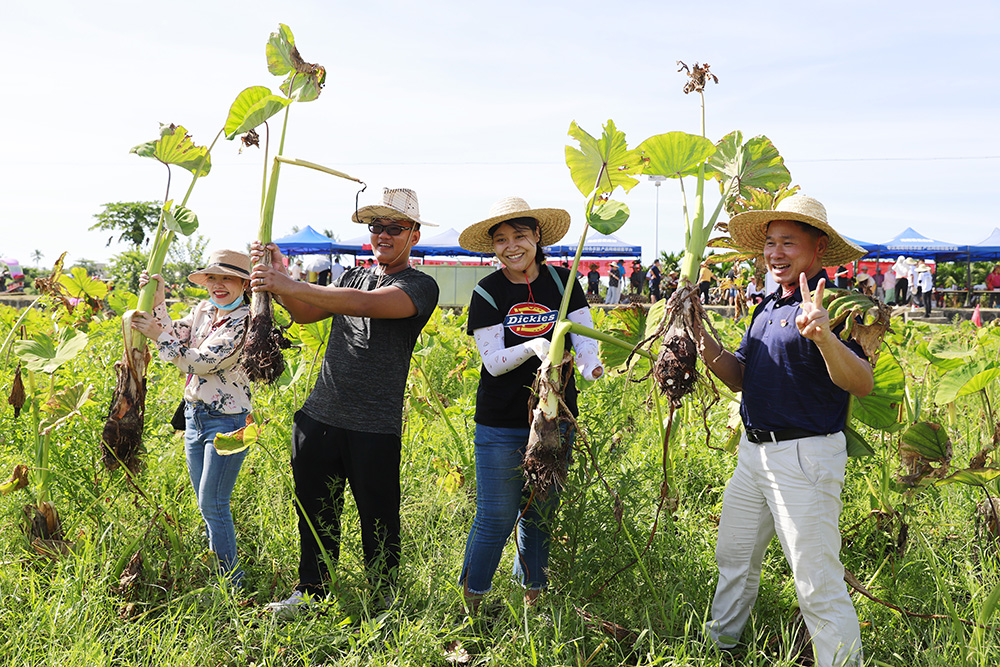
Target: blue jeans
[213, 477]
[500, 501]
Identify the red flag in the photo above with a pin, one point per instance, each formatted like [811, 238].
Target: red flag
[977, 319]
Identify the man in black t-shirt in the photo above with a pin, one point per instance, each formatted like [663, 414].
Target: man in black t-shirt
[348, 431]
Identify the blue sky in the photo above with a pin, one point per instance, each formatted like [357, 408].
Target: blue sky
[888, 114]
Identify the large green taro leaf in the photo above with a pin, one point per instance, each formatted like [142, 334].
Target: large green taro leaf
[880, 408]
[967, 379]
[608, 157]
[674, 154]
[753, 165]
[608, 216]
[252, 107]
[943, 364]
[81, 286]
[64, 405]
[181, 220]
[44, 355]
[175, 147]
[628, 324]
[856, 444]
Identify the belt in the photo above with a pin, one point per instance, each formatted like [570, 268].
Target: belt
[759, 436]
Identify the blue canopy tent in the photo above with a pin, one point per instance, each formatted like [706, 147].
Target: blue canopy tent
[598, 245]
[912, 243]
[355, 246]
[444, 244]
[306, 241]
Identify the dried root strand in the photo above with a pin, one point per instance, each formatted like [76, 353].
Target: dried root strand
[262, 359]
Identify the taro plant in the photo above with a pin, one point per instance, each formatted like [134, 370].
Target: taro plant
[50, 406]
[262, 358]
[122, 436]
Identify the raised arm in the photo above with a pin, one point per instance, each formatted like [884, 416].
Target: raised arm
[311, 303]
[847, 370]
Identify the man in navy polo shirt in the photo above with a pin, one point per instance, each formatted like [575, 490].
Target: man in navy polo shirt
[796, 376]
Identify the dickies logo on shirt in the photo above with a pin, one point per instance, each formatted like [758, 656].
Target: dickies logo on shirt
[530, 320]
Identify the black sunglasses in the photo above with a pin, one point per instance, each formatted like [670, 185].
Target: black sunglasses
[391, 230]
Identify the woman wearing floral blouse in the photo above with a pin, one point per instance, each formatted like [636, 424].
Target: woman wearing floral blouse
[206, 345]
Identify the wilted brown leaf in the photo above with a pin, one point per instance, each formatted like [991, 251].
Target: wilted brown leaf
[16, 397]
[18, 479]
[131, 575]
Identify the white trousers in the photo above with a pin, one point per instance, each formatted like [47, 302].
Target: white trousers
[614, 295]
[790, 489]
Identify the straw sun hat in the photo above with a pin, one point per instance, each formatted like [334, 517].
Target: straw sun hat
[749, 229]
[553, 223]
[397, 204]
[223, 262]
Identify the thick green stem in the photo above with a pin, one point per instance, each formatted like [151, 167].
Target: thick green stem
[40, 485]
[267, 211]
[607, 338]
[550, 404]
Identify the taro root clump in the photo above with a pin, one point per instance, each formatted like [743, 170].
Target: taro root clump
[675, 369]
[121, 439]
[262, 359]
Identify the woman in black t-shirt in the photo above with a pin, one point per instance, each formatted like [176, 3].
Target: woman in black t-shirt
[512, 315]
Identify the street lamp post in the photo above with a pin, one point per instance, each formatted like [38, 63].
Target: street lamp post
[657, 179]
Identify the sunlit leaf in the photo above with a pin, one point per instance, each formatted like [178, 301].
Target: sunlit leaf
[234, 442]
[967, 379]
[175, 147]
[312, 336]
[81, 286]
[942, 347]
[42, 354]
[64, 405]
[674, 154]
[880, 408]
[742, 168]
[279, 51]
[943, 364]
[181, 220]
[628, 324]
[971, 476]
[252, 107]
[122, 300]
[608, 157]
[305, 80]
[608, 216]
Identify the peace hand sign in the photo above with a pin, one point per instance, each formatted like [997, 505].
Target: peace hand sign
[814, 321]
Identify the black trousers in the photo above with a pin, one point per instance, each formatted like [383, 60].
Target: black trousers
[902, 289]
[324, 460]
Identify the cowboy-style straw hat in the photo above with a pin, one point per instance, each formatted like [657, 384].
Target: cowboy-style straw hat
[397, 204]
[226, 263]
[749, 228]
[553, 223]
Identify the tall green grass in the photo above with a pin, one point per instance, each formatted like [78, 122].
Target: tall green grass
[68, 611]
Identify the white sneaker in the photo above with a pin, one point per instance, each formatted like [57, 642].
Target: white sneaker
[296, 603]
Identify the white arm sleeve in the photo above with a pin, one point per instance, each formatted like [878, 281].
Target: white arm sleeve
[499, 359]
[588, 361]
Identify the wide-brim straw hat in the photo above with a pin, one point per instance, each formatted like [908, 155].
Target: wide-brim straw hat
[397, 204]
[749, 229]
[553, 223]
[225, 263]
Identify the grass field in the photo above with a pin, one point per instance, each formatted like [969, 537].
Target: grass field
[612, 600]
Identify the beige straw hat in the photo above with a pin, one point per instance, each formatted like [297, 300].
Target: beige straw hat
[397, 204]
[553, 223]
[226, 263]
[749, 229]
